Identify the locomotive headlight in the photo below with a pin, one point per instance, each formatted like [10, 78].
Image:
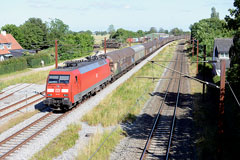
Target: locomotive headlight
[49, 94]
[65, 95]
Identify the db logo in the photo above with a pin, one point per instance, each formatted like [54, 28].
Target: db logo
[57, 90]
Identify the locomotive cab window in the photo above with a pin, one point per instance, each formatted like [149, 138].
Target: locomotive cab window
[59, 79]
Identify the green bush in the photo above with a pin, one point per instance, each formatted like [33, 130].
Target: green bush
[12, 65]
[35, 60]
[18, 64]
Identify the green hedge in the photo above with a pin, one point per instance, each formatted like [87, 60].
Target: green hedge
[35, 61]
[12, 65]
[18, 64]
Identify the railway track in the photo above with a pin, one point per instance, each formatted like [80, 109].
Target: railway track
[13, 108]
[158, 144]
[17, 85]
[26, 134]
[10, 94]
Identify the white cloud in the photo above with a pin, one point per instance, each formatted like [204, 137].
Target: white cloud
[127, 6]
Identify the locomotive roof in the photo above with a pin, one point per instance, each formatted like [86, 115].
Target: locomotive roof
[82, 66]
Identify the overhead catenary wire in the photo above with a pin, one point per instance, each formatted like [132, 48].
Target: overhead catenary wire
[110, 134]
[233, 93]
[201, 81]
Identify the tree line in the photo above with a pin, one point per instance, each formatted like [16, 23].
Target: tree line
[34, 34]
[122, 34]
[206, 30]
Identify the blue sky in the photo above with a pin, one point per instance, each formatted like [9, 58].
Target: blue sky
[128, 14]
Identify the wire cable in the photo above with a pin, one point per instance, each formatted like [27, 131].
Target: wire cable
[233, 93]
[100, 146]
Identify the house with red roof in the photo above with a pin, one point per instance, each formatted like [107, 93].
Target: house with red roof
[9, 47]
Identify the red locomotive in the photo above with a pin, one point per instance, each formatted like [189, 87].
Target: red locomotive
[70, 84]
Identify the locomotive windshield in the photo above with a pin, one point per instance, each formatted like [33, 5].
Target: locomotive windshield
[59, 79]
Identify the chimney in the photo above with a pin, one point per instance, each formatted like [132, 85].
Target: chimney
[3, 33]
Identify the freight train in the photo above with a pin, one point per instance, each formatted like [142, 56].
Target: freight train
[66, 86]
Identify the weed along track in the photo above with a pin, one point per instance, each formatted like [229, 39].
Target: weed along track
[160, 137]
[13, 108]
[26, 134]
[153, 134]
[13, 91]
[32, 137]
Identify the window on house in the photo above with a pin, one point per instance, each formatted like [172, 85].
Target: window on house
[1, 46]
[9, 45]
[216, 52]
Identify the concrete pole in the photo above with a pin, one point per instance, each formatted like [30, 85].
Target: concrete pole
[197, 54]
[56, 55]
[193, 48]
[105, 45]
[204, 70]
[221, 109]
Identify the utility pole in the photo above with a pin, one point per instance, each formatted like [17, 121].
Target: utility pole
[56, 55]
[204, 71]
[193, 48]
[221, 109]
[197, 54]
[105, 46]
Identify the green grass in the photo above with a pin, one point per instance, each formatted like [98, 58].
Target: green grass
[115, 107]
[106, 149]
[204, 117]
[61, 143]
[38, 77]
[14, 73]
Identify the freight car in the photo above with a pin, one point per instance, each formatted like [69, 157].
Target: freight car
[77, 80]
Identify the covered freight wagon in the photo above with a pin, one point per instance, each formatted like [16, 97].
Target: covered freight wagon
[139, 52]
[121, 59]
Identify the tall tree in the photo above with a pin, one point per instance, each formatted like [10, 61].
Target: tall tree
[140, 33]
[15, 32]
[153, 30]
[161, 30]
[214, 13]
[176, 31]
[111, 29]
[234, 23]
[35, 34]
[81, 44]
[57, 29]
[206, 30]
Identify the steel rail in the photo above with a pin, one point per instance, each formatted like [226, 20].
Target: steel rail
[22, 130]
[11, 88]
[35, 134]
[7, 114]
[174, 119]
[28, 139]
[3, 109]
[115, 128]
[156, 119]
[14, 92]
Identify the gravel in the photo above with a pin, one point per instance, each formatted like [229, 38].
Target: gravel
[28, 150]
[29, 91]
